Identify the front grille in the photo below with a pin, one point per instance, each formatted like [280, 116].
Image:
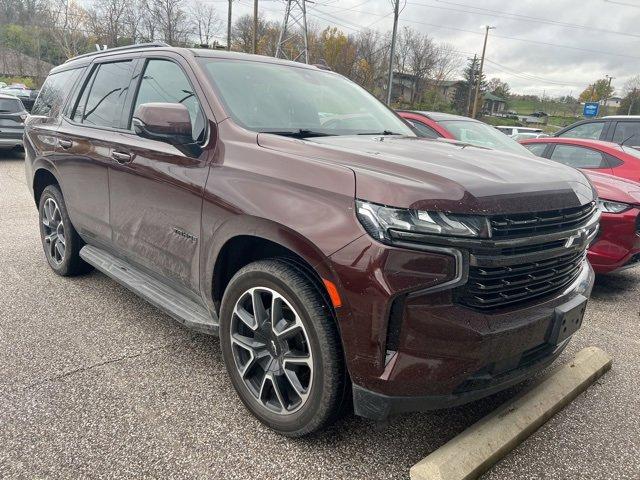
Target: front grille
[494, 287]
[505, 226]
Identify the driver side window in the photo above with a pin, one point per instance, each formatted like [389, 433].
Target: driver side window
[165, 82]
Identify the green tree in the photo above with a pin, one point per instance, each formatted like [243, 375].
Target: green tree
[597, 91]
[462, 102]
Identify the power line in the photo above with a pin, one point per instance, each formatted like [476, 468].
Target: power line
[515, 16]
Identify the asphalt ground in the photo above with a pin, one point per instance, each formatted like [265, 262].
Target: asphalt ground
[96, 383]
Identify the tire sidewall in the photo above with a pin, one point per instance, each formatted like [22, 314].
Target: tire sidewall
[307, 415]
[63, 267]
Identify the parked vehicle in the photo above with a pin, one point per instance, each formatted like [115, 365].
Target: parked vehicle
[284, 208]
[24, 94]
[511, 131]
[621, 129]
[604, 157]
[525, 136]
[617, 246]
[12, 118]
[464, 129]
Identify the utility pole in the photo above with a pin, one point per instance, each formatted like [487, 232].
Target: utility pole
[633, 100]
[295, 15]
[255, 26]
[229, 27]
[473, 76]
[606, 95]
[479, 79]
[396, 14]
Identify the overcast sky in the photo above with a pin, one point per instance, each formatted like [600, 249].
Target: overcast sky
[552, 46]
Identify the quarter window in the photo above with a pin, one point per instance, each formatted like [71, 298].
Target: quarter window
[578, 157]
[54, 91]
[591, 130]
[104, 95]
[424, 130]
[165, 82]
[536, 148]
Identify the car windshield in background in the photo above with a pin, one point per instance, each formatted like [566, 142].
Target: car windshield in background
[10, 105]
[265, 97]
[482, 135]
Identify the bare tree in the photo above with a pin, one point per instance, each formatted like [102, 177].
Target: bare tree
[171, 19]
[68, 21]
[422, 54]
[106, 19]
[206, 21]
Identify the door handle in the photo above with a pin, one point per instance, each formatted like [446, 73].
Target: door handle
[121, 157]
[66, 144]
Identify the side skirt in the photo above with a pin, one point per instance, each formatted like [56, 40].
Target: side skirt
[189, 313]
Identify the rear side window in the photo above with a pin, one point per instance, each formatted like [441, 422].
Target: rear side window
[536, 148]
[104, 95]
[54, 91]
[627, 133]
[10, 105]
[591, 130]
[424, 130]
[165, 82]
[578, 157]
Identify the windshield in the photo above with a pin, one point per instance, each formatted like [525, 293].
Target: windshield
[267, 97]
[482, 135]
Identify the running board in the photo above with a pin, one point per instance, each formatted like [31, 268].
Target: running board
[180, 307]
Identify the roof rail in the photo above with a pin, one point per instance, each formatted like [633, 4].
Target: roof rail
[121, 49]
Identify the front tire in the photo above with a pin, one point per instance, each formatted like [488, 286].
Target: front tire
[281, 348]
[60, 240]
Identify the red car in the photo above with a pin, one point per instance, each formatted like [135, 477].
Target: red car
[617, 246]
[464, 129]
[595, 155]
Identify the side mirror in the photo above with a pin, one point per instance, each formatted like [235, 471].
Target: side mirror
[166, 122]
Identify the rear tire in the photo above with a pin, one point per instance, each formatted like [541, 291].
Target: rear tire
[60, 241]
[281, 347]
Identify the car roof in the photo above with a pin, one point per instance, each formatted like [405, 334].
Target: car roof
[439, 116]
[587, 142]
[8, 97]
[622, 117]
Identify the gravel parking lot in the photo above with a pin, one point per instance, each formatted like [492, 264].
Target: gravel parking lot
[94, 382]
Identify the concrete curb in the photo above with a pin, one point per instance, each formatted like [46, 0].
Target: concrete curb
[475, 450]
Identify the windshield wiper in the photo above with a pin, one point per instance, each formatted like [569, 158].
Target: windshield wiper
[384, 132]
[298, 133]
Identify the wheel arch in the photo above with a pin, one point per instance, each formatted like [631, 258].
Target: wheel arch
[244, 240]
[44, 175]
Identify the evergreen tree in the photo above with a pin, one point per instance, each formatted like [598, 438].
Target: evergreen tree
[463, 103]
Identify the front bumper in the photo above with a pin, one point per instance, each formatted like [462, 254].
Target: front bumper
[429, 351]
[617, 246]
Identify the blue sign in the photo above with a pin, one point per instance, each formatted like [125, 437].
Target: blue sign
[591, 109]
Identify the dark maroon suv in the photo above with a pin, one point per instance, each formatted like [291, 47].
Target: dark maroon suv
[340, 258]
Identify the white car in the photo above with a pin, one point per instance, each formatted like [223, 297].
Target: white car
[511, 130]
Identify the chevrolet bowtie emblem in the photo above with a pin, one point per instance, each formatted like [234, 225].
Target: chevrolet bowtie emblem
[576, 239]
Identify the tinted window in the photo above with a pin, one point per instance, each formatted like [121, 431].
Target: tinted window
[627, 132]
[578, 157]
[104, 95]
[10, 105]
[590, 130]
[424, 130]
[506, 131]
[54, 91]
[536, 148]
[164, 81]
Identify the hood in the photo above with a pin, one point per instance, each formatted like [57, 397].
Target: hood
[455, 177]
[614, 188]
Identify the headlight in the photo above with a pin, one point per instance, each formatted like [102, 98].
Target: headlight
[380, 221]
[608, 206]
